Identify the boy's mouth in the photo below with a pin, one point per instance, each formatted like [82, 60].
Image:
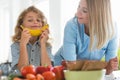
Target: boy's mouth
[35, 27]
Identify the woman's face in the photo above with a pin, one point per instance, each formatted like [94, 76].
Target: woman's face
[32, 20]
[82, 12]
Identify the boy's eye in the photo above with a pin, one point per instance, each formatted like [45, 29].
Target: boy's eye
[30, 20]
[38, 20]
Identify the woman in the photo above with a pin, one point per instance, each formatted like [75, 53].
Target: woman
[90, 35]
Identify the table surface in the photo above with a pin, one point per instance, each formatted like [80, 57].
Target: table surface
[113, 76]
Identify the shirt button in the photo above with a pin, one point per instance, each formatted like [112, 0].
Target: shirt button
[31, 59]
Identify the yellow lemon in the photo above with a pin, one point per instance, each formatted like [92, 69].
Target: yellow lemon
[36, 32]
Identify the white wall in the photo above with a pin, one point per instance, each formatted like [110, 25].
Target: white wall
[55, 23]
[4, 37]
[58, 12]
[9, 11]
[68, 10]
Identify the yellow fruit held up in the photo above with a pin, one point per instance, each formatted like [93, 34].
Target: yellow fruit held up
[36, 32]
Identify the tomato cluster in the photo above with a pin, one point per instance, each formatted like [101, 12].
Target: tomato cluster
[30, 69]
[42, 73]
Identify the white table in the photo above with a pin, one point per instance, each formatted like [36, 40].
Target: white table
[115, 75]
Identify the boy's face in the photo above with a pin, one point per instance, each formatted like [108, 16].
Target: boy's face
[32, 21]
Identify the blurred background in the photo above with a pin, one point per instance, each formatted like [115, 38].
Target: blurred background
[57, 12]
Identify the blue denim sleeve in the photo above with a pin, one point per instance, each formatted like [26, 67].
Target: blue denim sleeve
[69, 44]
[58, 57]
[15, 54]
[112, 48]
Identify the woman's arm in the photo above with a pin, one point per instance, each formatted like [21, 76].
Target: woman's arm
[70, 39]
[111, 55]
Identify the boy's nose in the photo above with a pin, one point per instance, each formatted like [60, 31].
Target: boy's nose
[35, 21]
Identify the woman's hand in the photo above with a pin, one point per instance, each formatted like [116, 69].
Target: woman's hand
[112, 65]
[44, 36]
[25, 36]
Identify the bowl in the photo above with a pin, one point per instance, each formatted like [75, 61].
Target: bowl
[85, 75]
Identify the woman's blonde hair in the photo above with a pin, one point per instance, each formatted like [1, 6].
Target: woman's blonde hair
[100, 22]
[18, 29]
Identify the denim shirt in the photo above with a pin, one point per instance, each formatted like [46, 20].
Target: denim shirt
[33, 53]
[76, 45]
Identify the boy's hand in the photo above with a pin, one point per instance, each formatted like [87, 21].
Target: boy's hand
[44, 36]
[25, 36]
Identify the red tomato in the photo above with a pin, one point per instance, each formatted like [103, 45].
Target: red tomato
[16, 78]
[30, 77]
[58, 70]
[30, 69]
[39, 77]
[49, 75]
[41, 69]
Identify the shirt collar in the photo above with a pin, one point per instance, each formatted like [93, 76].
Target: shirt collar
[36, 43]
